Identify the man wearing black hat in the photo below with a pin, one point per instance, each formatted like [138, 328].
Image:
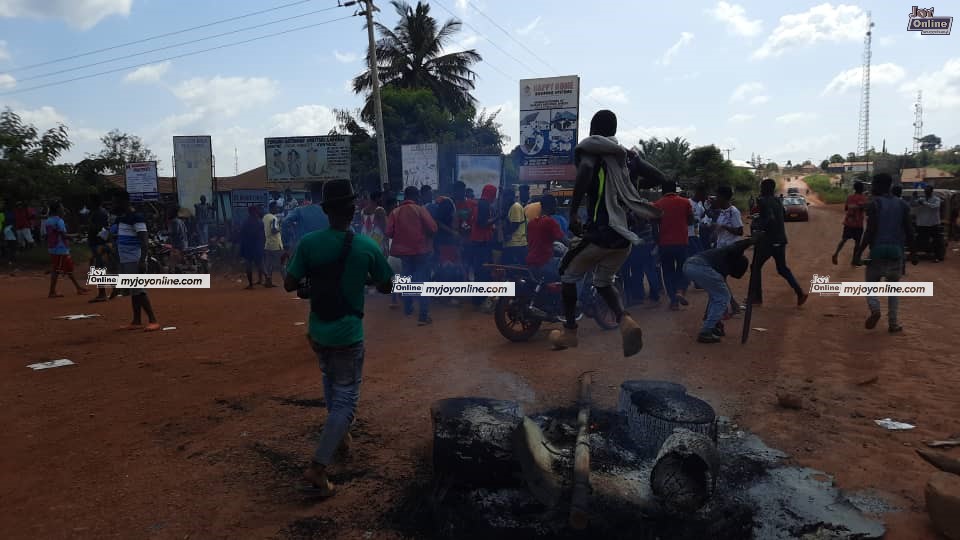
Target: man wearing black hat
[333, 267]
[606, 174]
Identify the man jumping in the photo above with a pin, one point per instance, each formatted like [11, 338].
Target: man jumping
[604, 178]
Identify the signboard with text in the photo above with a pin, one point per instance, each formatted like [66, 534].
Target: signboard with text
[291, 159]
[477, 171]
[549, 118]
[141, 180]
[193, 165]
[420, 165]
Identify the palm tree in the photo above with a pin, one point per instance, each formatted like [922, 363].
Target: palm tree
[670, 156]
[411, 56]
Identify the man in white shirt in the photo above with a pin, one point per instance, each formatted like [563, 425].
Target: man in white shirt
[728, 227]
[928, 222]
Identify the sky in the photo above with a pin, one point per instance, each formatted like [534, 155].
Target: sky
[776, 79]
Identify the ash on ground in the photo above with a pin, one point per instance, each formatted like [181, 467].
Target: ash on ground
[757, 495]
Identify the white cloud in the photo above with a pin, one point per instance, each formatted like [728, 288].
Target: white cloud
[7, 81]
[746, 89]
[685, 77]
[886, 41]
[147, 74]
[608, 94]
[629, 137]
[4, 52]
[43, 118]
[759, 100]
[82, 14]
[941, 89]
[304, 120]
[346, 58]
[796, 118]
[821, 23]
[668, 56]
[462, 5]
[803, 148]
[508, 117]
[734, 16]
[348, 86]
[529, 27]
[225, 95]
[880, 74]
[740, 118]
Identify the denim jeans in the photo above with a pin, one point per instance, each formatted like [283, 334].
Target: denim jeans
[515, 255]
[203, 232]
[671, 261]
[642, 263]
[779, 254]
[701, 273]
[417, 267]
[342, 374]
[477, 254]
[880, 269]
[550, 271]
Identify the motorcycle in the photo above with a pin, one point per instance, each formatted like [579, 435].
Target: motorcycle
[539, 299]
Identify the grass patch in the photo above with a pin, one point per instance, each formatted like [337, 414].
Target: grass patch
[824, 188]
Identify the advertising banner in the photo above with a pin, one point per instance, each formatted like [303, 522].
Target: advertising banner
[241, 199]
[420, 165]
[142, 181]
[193, 165]
[477, 171]
[549, 117]
[291, 159]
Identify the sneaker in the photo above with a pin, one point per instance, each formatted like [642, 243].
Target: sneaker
[631, 334]
[872, 320]
[895, 328]
[718, 330]
[802, 299]
[682, 301]
[564, 339]
[708, 338]
[424, 321]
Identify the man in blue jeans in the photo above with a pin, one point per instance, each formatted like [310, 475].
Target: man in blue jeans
[339, 266]
[411, 228]
[709, 270]
[673, 242]
[643, 263]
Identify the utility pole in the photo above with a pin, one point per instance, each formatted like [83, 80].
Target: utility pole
[728, 150]
[863, 135]
[918, 121]
[368, 10]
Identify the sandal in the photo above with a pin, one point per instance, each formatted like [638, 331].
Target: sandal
[152, 327]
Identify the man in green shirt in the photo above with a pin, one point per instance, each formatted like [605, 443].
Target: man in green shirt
[338, 266]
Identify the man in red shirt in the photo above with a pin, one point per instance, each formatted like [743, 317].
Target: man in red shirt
[23, 223]
[677, 216]
[853, 220]
[479, 249]
[542, 232]
[411, 228]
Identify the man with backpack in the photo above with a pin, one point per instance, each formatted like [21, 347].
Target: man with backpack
[337, 266]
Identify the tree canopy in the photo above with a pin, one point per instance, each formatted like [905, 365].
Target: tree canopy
[121, 148]
[411, 55]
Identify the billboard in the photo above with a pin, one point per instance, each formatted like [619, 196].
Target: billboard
[420, 165]
[291, 159]
[193, 166]
[142, 181]
[241, 199]
[477, 171]
[549, 118]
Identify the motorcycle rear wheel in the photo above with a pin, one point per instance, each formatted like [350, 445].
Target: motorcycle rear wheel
[512, 321]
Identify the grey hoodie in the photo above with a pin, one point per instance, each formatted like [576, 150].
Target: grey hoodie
[619, 193]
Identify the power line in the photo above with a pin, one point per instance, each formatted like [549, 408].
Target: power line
[184, 55]
[168, 34]
[494, 43]
[174, 46]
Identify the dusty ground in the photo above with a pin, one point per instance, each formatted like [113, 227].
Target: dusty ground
[200, 432]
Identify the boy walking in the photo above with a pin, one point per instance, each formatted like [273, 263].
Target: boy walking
[273, 243]
[58, 247]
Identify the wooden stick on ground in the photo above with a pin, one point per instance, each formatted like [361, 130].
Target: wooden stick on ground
[581, 458]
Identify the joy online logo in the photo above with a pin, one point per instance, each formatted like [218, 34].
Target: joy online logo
[922, 20]
[821, 285]
[404, 285]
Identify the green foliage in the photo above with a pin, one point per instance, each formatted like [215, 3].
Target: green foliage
[670, 156]
[825, 164]
[823, 186]
[28, 170]
[930, 143]
[121, 148]
[771, 167]
[836, 158]
[411, 56]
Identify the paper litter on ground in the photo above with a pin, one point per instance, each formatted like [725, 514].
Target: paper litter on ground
[893, 425]
[758, 329]
[298, 324]
[77, 317]
[169, 328]
[51, 364]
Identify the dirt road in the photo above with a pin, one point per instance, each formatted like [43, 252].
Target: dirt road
[200, 432]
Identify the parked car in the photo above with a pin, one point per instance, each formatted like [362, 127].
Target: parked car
[793, 191]
[795, 209]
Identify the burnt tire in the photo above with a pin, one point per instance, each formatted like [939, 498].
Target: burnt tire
[512, 320]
